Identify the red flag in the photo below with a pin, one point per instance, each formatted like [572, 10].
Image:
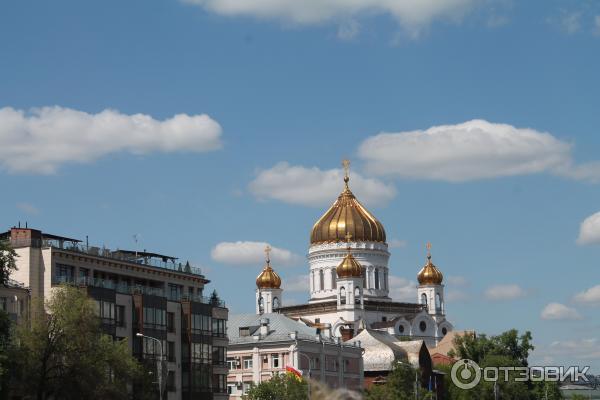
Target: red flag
[293, 371]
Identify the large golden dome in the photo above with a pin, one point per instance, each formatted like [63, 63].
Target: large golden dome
[349, 267]
[347, 215]
[268, 278]
[430, 274]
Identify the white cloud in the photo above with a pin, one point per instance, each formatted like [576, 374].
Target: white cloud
[28, 208]
[396, 243]
[570, 22]
[412, 15]
[459, 281]
[588, 348]
[348, 30]
[505, 292]
[596, 30]
[457, 295]
[557, 311]
[402, 289]
[589, 230]
[472, 150]
[315, 187]
[42, 139]
[252, 253]
[589, 296]
[297, 283]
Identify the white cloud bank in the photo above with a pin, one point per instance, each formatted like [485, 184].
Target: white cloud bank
[589, 230]
[505, 292]
[402, 289]
[252, 253]
[557, 311]
[315, 187]
[472, 150]
[590, 296]
[42, 139]
[412, 15]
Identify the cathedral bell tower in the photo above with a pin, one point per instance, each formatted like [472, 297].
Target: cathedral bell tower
[268, 288]
[349, 281]
[430, 291]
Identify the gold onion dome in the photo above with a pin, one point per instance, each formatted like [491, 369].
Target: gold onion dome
[347, 215]
[349, 267]
[430, 274]
[268, 278]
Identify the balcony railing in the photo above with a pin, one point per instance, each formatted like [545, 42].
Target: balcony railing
[96, 251]
[131, 289]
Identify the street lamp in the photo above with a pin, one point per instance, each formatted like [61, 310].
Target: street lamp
[159, 364]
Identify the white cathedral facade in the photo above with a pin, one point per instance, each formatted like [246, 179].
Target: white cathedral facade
[349, 281]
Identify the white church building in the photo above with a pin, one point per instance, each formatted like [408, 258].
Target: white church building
[349, 281]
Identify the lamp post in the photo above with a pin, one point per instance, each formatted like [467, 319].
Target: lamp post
[159, 364]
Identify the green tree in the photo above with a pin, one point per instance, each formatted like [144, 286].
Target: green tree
[508, 344]
[400, 385]
[5, 350]
[7, 262]
[279, 387]
[65, 355]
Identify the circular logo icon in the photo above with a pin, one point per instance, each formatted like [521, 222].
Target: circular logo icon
[465, 374]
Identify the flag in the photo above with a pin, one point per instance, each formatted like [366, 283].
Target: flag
[294, 372]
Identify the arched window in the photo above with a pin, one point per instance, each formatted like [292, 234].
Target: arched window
[401, 329]
[438, 302]
[376, 278]
[333, 278]
[343, 295]
[275, 303]
[357, 295]
[385, 280]
[321, 280]
[364, 274]
[444, 331]
[260, 304]
[422, 326]
[424, 299]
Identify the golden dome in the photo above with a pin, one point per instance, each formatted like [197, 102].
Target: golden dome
[430, 274]
[349, 267]
[347, 215]
[268, 278]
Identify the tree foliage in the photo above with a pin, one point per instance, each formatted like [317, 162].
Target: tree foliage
[65, 355]
[279, 387]
[7, 262]
[401, 385]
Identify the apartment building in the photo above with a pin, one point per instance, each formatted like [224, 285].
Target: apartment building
[137, 292]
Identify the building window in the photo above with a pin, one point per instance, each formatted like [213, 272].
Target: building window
[219, 355]
[321, 280]
[64, 273]
[170, 322]
[201, 324]
[343, 295]
[171, 351]
[444, 331]
[120, 317]
[247, 363]
[152, 349]
[175, 292]
[155, 318]
[438, 302]
[376, 278]
[422, 326]
[401, 328]
[219, 327]
[171, 381]
[274, 360]
[383, 319]
[424, 299]
[333, 278]
[84, 273]
[357, 295]
[246, 386]
[4, 303]
[231, 364]
[106, 311]
[220, 383]
[201, 353]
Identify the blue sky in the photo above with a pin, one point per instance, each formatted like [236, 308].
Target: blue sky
[270, 99]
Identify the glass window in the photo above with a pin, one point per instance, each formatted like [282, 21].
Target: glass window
[155, 318]
[120, 316]
[171, 322]
[231, 363]
[3, 303]
[171, 351]
[247, 362]
[64, 273]
[274, 360]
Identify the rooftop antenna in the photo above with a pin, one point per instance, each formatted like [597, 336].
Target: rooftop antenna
[136, 237]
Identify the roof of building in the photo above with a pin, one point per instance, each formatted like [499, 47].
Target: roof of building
[447, 342]
[407, 310]
[280, 328]
[382, 350]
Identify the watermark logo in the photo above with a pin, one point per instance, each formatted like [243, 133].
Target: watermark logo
[466, 374]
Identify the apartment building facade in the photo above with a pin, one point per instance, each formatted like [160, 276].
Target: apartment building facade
[137, 292]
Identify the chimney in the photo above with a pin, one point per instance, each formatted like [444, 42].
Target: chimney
[264, 327]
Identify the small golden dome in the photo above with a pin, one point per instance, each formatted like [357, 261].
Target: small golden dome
[268, 278]
[347, 215]
[349, 267]
[430, 274]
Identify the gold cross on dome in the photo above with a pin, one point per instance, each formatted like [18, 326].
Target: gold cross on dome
[428, 245]
[348, 237]
[268, 252]
[346, 165]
